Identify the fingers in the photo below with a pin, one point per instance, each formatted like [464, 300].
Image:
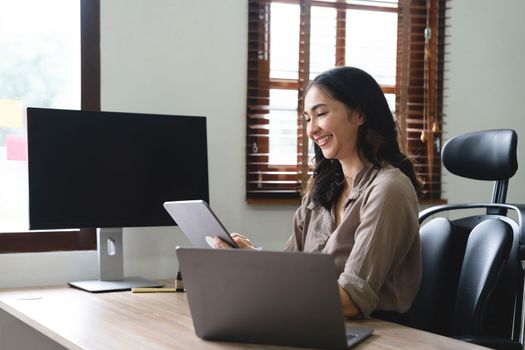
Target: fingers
[235, 234]
[242, 241]
[220, 244]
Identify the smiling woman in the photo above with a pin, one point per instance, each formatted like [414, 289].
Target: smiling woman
[50, 58]
[361, 205]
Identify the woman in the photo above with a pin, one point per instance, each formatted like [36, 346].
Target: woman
[361, 204]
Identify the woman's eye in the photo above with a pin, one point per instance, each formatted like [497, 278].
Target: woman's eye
[320, 114]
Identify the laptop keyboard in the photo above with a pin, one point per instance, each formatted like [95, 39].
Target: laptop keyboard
[350, 336]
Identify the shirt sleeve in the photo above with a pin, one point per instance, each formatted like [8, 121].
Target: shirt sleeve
[389, 224]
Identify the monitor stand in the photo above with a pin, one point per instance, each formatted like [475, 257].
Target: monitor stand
[111, 266]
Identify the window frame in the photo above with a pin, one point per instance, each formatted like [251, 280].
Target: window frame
[81, 239]
[260, 83]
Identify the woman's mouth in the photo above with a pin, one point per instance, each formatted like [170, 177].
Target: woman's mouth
[323, 140]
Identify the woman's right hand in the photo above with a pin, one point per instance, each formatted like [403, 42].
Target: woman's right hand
[242, 241]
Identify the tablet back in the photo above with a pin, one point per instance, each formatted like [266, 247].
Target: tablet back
[198, 222]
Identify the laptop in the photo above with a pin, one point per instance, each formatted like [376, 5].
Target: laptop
[198, 222]
[265, 297]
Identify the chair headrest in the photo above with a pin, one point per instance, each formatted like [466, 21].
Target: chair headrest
[482, 155]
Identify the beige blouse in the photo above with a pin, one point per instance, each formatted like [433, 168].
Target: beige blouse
[376, 246]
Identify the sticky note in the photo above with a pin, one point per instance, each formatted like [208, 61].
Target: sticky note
[16, 147]
[11, 114]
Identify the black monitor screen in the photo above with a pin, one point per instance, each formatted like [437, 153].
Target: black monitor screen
[108, 169]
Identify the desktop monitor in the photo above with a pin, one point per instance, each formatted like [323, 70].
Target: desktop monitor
[109, 170]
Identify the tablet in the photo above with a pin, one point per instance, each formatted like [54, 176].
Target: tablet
[198, 222]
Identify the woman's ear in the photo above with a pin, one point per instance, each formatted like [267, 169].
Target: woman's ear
[359, 118]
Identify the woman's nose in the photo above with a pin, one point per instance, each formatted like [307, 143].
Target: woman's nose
[311, 128]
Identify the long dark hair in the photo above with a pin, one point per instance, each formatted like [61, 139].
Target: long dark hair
[377, 137]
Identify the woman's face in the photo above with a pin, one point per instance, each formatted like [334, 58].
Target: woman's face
[331, 124]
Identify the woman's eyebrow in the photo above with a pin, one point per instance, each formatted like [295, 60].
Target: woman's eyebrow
[315, 107]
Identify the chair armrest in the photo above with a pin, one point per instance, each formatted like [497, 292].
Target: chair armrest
[518, 208]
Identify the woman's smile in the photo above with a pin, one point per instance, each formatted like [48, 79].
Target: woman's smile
[323, 140]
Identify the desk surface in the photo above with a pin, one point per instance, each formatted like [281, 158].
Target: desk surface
[122, 320]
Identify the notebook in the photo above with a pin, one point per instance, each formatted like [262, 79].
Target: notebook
[198, 222]
[264, 297]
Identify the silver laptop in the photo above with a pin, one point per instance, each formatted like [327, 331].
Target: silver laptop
[263, 297]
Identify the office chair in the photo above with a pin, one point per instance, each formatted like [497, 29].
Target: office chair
[472, 282]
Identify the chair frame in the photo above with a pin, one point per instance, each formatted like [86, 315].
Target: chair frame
[499, 210]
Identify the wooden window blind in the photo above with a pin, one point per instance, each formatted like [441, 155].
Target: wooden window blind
[419, 87]
[400, 43]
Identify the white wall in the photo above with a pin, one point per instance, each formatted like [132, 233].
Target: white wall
[168, 56]
[485, 84]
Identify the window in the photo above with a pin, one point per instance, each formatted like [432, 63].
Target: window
[50, 58]
[291, 41]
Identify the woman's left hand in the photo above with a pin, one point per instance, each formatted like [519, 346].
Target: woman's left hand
[242, 241]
